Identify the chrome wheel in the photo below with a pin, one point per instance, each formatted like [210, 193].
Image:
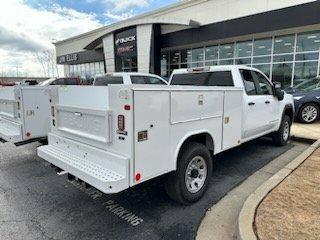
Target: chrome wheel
[196, 174]
[309, 113]
[286, 131]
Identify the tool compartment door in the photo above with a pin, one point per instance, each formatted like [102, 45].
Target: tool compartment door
[151, 134]
[232, 119]
[36, 111]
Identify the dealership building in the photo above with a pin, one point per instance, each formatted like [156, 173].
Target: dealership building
[281, 38]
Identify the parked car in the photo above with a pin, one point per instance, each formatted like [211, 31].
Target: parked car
[307, 105]
[61, 81]
[128, 78]
[125, 134]
[304, 85]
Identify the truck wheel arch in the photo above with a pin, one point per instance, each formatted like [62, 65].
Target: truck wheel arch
[203, 137]
[289, 111]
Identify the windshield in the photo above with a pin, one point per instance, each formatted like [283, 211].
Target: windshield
[106, 80]
[308, 85]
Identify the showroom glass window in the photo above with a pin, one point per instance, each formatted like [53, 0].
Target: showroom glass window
[226, 52]
[307, 56]
[211, 55]
[285, 58]
[243, 53]
[261, 56]
[86, 70]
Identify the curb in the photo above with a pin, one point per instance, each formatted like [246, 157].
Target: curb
[247, 214]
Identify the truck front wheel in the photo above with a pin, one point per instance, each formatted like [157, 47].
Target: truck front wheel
[190, 181]
[281, 137]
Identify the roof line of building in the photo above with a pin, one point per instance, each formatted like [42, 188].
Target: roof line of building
[174, 6]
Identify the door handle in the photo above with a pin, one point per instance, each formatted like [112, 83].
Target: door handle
[267, 102]
[251, 103]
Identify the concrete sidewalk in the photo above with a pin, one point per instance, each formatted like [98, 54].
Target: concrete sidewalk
[292, 209]
[221, 220]
[307, 131]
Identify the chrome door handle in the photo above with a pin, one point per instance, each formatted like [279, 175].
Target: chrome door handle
[251, 103]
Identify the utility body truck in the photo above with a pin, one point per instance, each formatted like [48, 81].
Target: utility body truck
[124, 135]
[24, 114]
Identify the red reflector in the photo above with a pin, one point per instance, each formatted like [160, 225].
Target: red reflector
[28, 134]
[121, 123]
[127, 107]
[138, 176]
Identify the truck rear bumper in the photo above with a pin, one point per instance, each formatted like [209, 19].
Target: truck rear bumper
[103, 170]
[10, 130]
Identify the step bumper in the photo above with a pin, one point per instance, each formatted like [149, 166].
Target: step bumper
[10, 131]
[103, 170]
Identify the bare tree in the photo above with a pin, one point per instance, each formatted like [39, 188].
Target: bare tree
[47, 59]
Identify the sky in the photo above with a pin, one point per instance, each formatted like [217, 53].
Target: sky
[28, 27]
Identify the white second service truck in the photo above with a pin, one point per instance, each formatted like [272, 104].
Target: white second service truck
[24, 113]
[123, 135]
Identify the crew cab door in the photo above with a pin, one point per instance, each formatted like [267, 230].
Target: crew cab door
[257, 106]
[271, 102]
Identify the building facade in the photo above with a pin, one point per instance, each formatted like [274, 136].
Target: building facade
[281, 38]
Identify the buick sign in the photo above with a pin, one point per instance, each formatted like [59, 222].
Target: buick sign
[125, 43]
[120, 41]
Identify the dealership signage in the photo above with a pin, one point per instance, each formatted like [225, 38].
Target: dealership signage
[126, 43]
[68, 58]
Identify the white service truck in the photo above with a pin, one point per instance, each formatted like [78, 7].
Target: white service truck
[124, 135]
[24, 114]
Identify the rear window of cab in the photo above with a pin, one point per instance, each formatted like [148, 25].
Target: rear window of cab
[218, 78]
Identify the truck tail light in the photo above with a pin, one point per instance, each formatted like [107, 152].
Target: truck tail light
[52, 111]
[121, 123]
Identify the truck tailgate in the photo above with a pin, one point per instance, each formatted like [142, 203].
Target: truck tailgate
[82, 114]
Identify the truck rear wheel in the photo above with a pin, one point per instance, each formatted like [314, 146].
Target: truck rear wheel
[281, 137]
[194, 171]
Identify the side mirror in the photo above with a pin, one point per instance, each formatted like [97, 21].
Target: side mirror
[277, 91]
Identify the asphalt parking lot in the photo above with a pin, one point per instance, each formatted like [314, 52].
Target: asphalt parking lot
[36, 203]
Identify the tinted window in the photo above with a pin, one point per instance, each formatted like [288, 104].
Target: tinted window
[106, 80]
[248, 81]
[71, 81]
[138, 80]
[58, 82]
[220, 78]
[146, 80]
[265, 87]
[154, 80]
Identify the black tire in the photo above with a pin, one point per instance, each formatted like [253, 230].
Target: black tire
[175, 183]
[279, 137]
[300, 114]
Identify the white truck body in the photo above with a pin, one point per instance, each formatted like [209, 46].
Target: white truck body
[24, 113]
[87, 141]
